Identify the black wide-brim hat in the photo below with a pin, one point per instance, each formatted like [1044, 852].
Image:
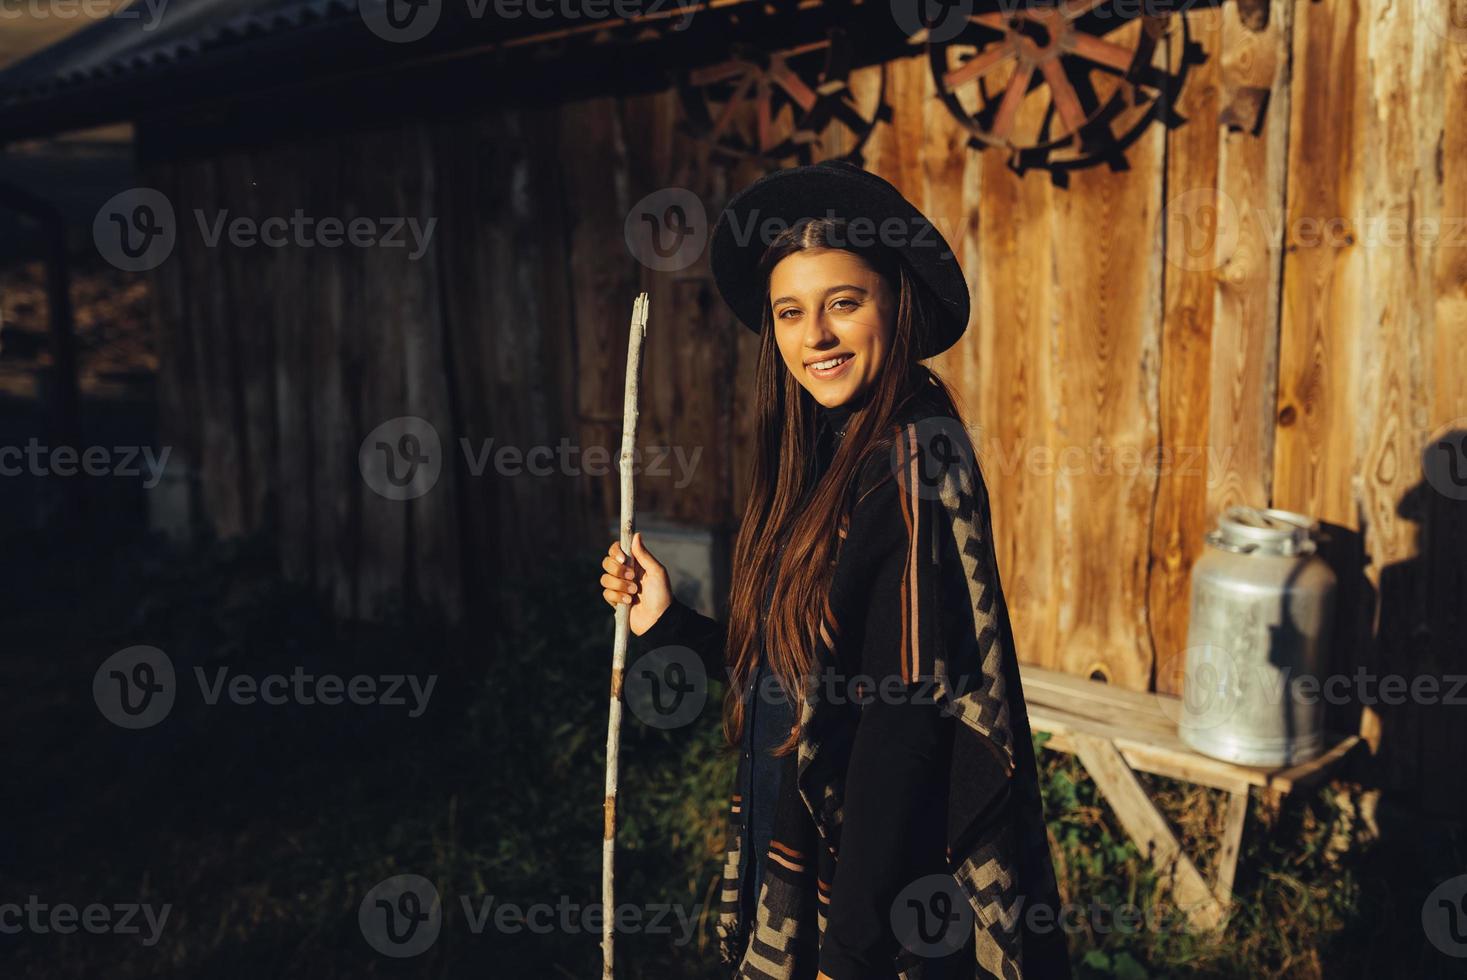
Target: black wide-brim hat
[876, 213]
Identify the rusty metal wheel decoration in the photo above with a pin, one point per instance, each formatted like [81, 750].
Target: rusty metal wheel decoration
[778, 105]
[1061, 85]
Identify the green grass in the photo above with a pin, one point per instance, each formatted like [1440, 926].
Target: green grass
[263, 828]
[1321, 892]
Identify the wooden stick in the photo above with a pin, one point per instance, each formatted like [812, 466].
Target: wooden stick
[623, 631]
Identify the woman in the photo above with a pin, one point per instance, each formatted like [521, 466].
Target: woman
[886, 819]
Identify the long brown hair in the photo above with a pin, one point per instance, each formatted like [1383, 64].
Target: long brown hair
[777, 511]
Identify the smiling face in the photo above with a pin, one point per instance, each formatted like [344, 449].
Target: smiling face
[830, 304]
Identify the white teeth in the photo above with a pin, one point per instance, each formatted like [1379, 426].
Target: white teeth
[822, 365]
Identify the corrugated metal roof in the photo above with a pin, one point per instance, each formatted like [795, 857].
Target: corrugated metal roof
[141, 41]
[200, 51]
[195, 54]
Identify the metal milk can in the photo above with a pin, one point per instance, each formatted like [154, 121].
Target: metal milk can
[1262, 608]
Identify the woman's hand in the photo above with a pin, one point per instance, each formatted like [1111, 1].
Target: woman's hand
[642, 584]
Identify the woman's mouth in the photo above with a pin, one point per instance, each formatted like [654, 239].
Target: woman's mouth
[831, 367]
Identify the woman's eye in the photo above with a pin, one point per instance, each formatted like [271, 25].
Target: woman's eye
[844, 303]
[788, 309]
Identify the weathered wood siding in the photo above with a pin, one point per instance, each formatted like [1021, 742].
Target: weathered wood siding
[1231, 319]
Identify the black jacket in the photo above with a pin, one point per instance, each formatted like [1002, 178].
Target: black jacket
[914, 786]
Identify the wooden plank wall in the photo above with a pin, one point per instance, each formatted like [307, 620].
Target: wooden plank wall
[1233, 300]
[1368, 301]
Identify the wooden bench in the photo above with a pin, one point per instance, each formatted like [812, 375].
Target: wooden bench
[1116, 733]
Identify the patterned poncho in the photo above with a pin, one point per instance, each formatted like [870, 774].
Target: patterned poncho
[915, 615]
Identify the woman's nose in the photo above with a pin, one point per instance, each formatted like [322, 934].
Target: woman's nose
[817, 331]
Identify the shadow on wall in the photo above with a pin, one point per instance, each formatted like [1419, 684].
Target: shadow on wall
[1403, 645]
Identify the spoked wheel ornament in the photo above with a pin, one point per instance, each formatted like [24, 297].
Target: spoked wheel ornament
[1060, 85]
[778, 105]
